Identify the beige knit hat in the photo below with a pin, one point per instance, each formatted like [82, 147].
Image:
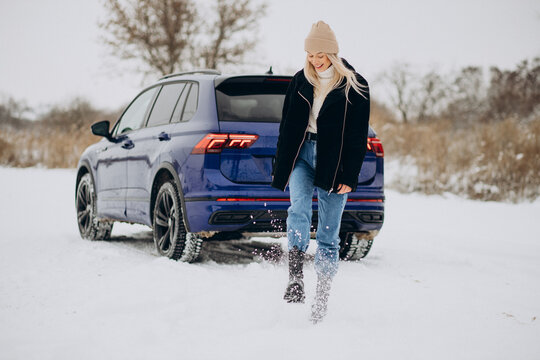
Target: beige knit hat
[321, 39]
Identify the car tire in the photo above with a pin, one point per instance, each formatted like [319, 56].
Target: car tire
[170, 235]
[90, 227]
[354, 246]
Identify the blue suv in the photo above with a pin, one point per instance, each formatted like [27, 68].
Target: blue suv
[191, 156]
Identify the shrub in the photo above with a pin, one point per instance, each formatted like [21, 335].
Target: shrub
[496, 161]
[7, 154]
[56, 140]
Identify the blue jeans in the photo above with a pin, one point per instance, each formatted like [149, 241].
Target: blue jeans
[330, 208]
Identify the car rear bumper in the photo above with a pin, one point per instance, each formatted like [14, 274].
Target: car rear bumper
[269, 215]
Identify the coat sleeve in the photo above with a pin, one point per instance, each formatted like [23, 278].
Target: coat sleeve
[286, 104]
[355, 136]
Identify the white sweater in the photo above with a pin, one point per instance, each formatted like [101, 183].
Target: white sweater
[324, 79]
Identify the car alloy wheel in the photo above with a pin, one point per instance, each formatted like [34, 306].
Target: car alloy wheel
[84, 207]
[170, 235]
[90, 227]
[165, 222]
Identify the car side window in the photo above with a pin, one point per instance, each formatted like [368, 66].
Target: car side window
[133, 117]
[165, 104]
[191, 103]
[179, 109]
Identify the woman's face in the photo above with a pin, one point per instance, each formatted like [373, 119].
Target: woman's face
[319, 61]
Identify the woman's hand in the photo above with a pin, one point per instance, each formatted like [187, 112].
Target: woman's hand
[343, 189]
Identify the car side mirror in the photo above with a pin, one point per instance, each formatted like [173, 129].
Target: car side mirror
[101, 128]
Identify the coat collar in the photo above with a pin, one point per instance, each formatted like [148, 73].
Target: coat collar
[306, 90]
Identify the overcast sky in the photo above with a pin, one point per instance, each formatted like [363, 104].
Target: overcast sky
[50, 50]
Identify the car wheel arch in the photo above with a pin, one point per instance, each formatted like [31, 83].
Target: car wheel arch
[166, 171]
[84, 168]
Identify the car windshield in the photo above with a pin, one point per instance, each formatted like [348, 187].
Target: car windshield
[251, 99]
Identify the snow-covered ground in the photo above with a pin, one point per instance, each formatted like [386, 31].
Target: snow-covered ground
[447, 278]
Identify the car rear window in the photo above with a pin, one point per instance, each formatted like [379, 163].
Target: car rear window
[251, 99]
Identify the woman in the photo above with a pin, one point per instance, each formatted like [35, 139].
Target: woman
[322, 143]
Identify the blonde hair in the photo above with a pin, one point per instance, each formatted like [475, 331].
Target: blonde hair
[341, 72]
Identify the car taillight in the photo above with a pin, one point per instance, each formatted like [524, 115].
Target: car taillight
[375, 145]
[214, 143]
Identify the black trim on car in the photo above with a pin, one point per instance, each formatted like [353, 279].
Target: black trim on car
[215, 198]
[84, 164]
[168, 166]
[273, 219]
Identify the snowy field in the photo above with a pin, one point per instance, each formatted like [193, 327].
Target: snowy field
[447, 278]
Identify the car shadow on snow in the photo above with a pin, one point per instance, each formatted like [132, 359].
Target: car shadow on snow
[233, 251]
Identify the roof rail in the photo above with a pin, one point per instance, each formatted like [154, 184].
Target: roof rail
[200, 71]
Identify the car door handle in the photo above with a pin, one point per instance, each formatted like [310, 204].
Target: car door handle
[128, 144]
[163, 136]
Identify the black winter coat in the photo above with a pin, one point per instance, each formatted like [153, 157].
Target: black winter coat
[342, 130]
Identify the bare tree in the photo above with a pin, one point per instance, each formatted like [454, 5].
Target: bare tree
[515, 93]
[430, 96]
[156, 32]
[400, 81]
[467, 101]
[233, 17]
[12, 112]
[416, 97]
[169, 35]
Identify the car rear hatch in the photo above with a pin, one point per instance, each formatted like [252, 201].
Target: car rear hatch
[252, 105]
